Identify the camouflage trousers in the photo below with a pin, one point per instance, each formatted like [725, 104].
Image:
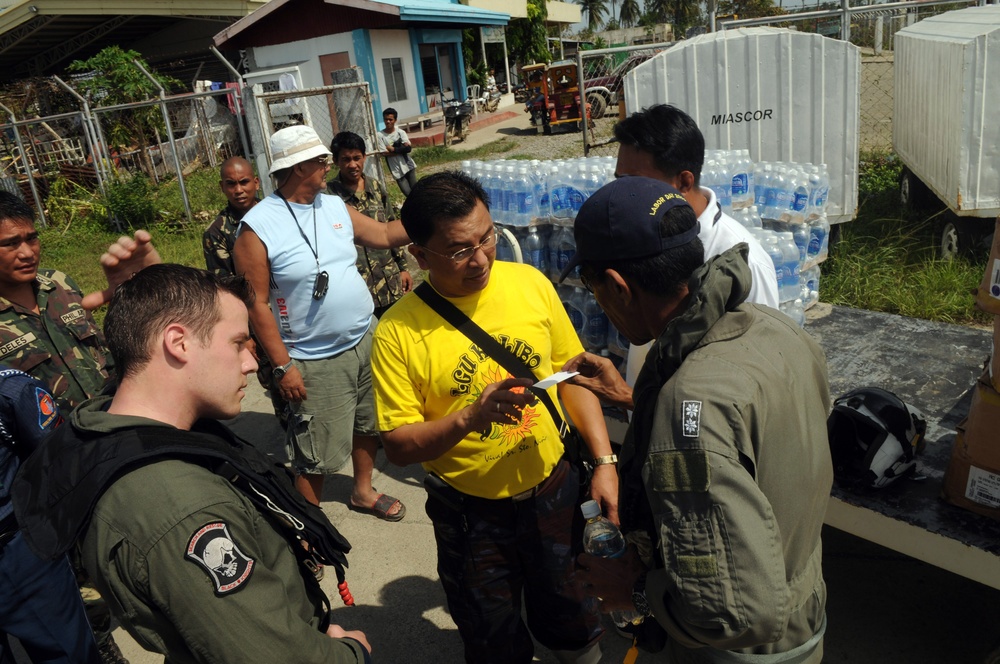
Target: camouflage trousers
[492, 551]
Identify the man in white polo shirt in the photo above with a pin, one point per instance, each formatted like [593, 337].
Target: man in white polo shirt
[663, 142]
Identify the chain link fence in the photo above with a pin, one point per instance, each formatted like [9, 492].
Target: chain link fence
[603, 72]
[95, 147]
[328, 110]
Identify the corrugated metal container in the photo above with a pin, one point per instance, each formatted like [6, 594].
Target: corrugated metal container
[784, 95]
[947, 100]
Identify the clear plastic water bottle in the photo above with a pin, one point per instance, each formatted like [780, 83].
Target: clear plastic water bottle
[770, 243]
[602, 538]
[523, 199]
[762, 184]
[819, 233]
[742, 194]
[504, 250]
[540, 177]
[595, 332]
[801, 234]
[565, 249]
[799, 186]
[819, 191]
[790, 267]
[574, 307]
[561, 193]
[534, 251]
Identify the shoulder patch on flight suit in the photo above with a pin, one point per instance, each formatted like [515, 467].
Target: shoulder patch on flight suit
[213, 549]
[691, 423]
[680, 470]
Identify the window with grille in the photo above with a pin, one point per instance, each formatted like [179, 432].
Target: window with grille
[395, 86]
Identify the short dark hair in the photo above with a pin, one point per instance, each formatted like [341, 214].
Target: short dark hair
[663, 274]
[346, 140]
[443, 196]
[390, 111]
[667, 133]
[160, 295]
[12, 208]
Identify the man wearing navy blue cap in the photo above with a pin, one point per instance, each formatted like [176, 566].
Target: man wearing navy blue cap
[39, 600]
[725, 470]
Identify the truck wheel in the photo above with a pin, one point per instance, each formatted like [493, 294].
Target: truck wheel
[598, 105]
[913, 193]
[961, 237]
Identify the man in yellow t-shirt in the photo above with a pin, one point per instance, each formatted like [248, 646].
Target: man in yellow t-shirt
[502, 497]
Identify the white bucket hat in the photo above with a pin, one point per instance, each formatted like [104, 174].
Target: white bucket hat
[294, 145]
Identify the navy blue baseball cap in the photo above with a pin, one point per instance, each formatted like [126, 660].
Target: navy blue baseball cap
[622, 220]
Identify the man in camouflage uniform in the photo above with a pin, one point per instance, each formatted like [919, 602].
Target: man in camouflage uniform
[239, 185]
[384, 270]
[47, 331]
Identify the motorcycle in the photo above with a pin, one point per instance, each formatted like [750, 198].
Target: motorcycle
[521, 93]
[457, 118]
[490, 101]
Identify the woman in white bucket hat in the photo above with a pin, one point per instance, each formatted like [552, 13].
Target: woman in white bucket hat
[313, 315]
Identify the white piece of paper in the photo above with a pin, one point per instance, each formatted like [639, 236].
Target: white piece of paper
[554, 379]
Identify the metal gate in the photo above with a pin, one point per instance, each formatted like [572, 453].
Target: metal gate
[328, 110]
[602, 72]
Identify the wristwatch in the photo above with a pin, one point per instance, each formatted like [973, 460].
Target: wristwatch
[639, 596]
[279, 372]
[607, 458]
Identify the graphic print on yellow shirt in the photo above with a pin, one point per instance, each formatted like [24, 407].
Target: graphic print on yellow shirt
[423, 370]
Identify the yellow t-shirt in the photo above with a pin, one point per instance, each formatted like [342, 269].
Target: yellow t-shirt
[424, 369]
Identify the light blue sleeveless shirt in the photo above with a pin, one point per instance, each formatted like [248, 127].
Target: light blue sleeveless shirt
[313, 329]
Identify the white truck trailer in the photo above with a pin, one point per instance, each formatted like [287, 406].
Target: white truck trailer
[945, 120]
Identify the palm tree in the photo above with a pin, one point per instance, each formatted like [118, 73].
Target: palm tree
[595, 10]
[629, 14]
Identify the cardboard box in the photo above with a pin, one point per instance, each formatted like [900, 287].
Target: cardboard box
[988, 293]
[972, 480]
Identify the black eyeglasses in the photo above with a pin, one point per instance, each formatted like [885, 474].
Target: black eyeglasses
[463, 255]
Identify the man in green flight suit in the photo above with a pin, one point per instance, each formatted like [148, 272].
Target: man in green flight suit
[384, 270]
[196, 565]
[46, 330]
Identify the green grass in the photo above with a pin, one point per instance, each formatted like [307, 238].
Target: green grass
[887, 259]
[438, 154]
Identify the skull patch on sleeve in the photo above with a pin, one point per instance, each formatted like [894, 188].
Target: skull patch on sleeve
[212, 548]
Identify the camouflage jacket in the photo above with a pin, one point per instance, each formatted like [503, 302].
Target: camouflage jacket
[379, 268]
[217, 242]
[61, 345]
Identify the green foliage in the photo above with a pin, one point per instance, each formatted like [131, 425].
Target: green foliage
[129, 201]
[72, 205]
[526, 37]
[750, 8]
[595, 11]
[470, 50]
[476, 74]
[112, 78]
[879, 172]
[629, 13]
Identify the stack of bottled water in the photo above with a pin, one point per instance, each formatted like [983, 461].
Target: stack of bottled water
[536, 202]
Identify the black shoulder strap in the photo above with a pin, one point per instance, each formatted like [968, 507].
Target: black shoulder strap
[488, 345]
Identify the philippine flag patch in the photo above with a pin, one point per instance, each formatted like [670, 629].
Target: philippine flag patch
[691, 425]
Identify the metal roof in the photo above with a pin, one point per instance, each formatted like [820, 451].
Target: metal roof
[39, 37]
[283, 21]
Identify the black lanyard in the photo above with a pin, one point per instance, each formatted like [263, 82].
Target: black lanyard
[315, 252]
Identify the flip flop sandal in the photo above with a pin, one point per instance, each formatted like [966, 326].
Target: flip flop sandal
[380, 508]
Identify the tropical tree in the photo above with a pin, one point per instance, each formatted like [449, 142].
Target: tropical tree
[113, 78]
[681, 14]
[629, 14]
[527, 40]
[595, 10]
[750, 8]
